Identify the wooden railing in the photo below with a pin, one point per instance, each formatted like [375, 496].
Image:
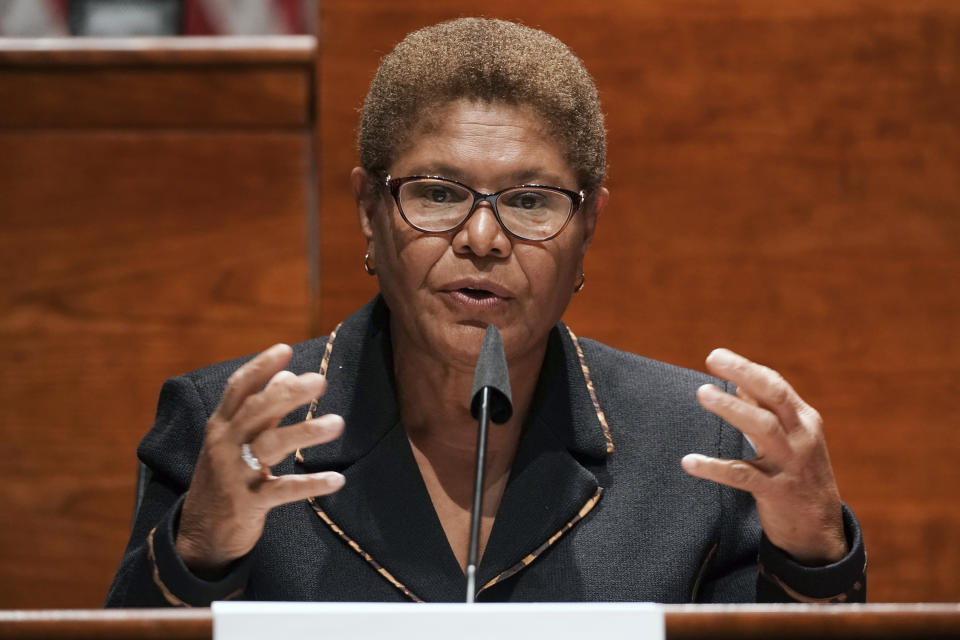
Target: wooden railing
[687, 622]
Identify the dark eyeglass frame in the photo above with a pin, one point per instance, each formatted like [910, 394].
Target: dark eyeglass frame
[576, 200]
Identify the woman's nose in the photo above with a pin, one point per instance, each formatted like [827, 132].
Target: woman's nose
[482, 234]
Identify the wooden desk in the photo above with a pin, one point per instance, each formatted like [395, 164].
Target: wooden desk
[734, 622]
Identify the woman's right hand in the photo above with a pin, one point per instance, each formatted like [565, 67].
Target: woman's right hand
[227, 503]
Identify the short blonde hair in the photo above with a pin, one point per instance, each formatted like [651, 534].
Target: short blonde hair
[492, 61]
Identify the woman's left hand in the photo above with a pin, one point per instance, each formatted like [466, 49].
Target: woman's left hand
[791, 478]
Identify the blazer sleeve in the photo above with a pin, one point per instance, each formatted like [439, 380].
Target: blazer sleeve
[782, 579]
[152, 573]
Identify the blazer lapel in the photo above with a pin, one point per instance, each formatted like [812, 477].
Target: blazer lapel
[550, 488]
[384, 511]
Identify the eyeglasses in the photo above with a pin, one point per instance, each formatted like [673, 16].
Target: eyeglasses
[529, 212]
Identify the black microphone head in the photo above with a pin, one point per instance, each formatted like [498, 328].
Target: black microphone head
[491, 372]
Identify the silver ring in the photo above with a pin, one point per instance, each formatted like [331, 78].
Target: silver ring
[247, 456]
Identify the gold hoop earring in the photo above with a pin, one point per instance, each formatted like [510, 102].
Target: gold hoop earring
[577, 287]
[371, 271]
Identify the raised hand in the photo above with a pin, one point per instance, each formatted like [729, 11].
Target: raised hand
[791, 478]
[226, 505]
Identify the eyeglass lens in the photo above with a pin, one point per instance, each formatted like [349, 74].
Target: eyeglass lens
[529, 212]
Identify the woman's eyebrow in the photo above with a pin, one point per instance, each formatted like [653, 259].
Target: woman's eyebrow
[537, 176]
[434, 169]
[522, 176]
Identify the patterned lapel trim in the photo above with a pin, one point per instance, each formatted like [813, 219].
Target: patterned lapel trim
[601, 416]
[327, 520]
[799, 597]
[363, 554]
[324, 363]
[512, 571]
[705, 565]
[536, 553]
[529, 558]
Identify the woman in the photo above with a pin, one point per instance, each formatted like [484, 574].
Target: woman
[483, 156]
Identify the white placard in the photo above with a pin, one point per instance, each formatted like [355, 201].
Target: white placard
[368, 621]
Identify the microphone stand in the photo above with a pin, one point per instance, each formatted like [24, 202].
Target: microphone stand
[490, 399]
[483, 422]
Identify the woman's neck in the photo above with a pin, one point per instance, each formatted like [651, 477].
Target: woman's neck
[434, 401]
[434, 398]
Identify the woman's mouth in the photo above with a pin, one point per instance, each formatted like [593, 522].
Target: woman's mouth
[475, 296]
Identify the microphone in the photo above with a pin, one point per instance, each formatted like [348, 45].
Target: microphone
[490, 399]
[491, 373]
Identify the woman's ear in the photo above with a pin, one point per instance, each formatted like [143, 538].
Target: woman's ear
[366, 196]
[594, 207]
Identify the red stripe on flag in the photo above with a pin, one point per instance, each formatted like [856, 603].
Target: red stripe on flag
[196, 22]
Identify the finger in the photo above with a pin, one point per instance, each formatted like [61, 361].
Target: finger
[763, 384]
[251, 377]
[273, 445]
[738, 474]
[284, 393]
[746, 397]
[280, 490]
[761, 427]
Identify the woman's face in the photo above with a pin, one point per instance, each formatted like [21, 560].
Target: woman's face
[444, 289]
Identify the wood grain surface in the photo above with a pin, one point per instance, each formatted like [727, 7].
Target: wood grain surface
[686, 622]
[74, 97]
[134, 246]
[161, 51]
[156, 82]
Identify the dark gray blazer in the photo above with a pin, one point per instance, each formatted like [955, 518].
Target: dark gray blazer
[597, 507]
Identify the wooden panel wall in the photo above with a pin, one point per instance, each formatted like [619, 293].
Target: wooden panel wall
[785, 181]
[783, 178]
[153, 219]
